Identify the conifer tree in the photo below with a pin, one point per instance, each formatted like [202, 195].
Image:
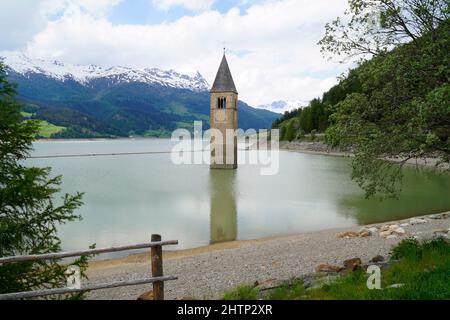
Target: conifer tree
[30, 211]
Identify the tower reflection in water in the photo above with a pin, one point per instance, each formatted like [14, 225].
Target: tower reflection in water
[223, 205]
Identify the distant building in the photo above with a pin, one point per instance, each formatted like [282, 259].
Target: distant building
[224, 116]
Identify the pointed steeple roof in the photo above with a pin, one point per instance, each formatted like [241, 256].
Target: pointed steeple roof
[224, 81]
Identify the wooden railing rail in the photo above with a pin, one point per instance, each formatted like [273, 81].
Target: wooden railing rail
[157, 278]
[60, 255]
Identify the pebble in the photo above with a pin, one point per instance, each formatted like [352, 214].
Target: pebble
[325, 267]
[439, 216]
[373, 230]
[365, 233]
[386, 233]
[352, 264]
[440, 231]
[348, 234]
[392, 230]
[414, 221]
[400, 231]
[378, 258]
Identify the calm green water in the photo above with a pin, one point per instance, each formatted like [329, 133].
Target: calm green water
[130, 197]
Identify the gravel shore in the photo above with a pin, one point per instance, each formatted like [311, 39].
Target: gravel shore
[205, 273]
[319, 147]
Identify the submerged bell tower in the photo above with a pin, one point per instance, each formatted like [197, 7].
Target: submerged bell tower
[223, 119]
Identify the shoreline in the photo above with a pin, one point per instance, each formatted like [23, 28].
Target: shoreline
[229, 245]
[320, 148]
[136, 258]
[206, 272]
[307, 147]
[98, 139]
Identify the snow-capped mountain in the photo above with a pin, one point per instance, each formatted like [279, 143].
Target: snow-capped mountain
[25, 65]
[283, 106]
[92, 101]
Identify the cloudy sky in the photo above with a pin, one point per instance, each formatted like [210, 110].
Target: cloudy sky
[271, 44]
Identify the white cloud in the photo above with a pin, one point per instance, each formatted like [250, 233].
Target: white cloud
[95, 6]
[271, 47]
[21, 20]
[194, 5]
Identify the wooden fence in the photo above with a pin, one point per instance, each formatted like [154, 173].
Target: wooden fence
[157, 278]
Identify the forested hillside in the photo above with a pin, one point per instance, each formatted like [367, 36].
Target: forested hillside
[315, 117]
[396, 103]
[395, 86]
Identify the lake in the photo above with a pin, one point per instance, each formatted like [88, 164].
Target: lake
[129, 197]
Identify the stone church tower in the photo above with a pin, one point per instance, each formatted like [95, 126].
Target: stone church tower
[224, 99]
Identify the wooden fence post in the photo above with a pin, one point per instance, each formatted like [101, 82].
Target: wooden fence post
[157, 268]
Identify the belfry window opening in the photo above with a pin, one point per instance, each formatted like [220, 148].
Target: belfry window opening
[221, 103]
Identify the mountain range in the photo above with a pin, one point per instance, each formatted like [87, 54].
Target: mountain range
[93, 101]
[283, 106]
